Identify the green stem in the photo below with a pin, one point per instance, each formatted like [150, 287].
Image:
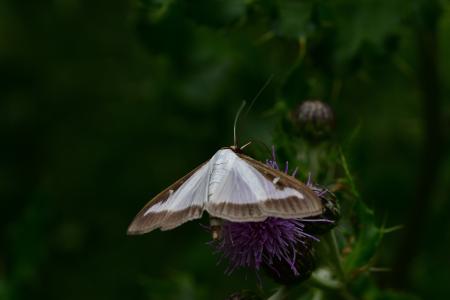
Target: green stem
[335, 256]
[324, 282]
[336, 260]
[318, 294]
[280, 294]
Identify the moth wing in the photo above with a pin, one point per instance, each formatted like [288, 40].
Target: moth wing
[301, 201]
[252, 191]
[182, 201]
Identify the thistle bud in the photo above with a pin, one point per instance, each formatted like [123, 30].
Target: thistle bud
[314, 119]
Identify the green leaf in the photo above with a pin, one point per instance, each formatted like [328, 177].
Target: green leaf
[348, 174]
[366, 22]
[368, 238]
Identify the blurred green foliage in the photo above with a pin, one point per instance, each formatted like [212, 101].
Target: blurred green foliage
[104, 103]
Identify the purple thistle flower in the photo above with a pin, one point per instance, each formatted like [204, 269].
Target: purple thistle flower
[257, 244]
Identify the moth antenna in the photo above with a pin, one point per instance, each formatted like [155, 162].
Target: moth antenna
[259, 93]
[248, 144]
[250, 106]
[264, 145]
[235, 123]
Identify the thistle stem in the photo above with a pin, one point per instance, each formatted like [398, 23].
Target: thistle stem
[335, 256]
[336, 260]
[324, 283]
[318, 295]
[280, 294]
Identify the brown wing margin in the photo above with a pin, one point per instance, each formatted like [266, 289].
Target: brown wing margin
[293, 207]
[143, 224]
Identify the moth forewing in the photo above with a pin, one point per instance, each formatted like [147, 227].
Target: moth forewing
[157, 214]
[253, 191]
[304, 204]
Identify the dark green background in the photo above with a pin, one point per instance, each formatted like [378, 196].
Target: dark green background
[104, 103]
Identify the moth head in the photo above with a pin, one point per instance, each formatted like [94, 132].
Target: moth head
[237, 149]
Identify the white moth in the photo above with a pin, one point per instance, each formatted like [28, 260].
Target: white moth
[230, 186]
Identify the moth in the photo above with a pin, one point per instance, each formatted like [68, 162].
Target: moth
[230, 186]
